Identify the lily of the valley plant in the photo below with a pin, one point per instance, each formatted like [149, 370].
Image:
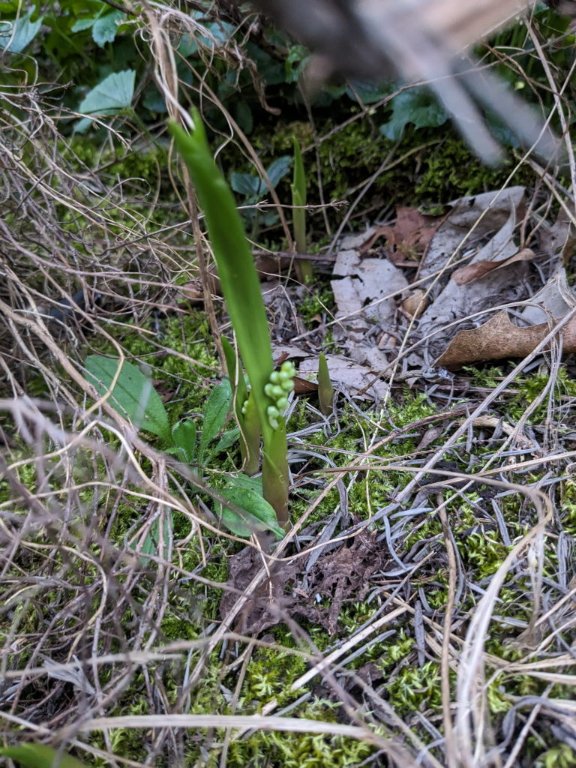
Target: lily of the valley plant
[259, 407]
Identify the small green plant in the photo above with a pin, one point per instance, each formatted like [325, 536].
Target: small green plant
[132, 394]
[325, 388]
[241, 290]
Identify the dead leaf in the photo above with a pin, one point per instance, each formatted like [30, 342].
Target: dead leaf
[408, 237]
[555, 299]
[349, 376]
[484, 225]
[498, 339]
[479, 269]
[365, 294]
[339, 577]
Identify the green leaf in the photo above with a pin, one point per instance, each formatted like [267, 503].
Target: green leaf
[40, 756]
[105, 28]
[111, 95]
[133, 395]
[241, 290]
[325, 388]
[367, 92]
[246, 184]
[256, 513]
[245, 412]
[417, 106]
[215, 414]
[278, 169]
[82, 24]
[184, 442]
[16, 35]
[229, 438]
[157, 541]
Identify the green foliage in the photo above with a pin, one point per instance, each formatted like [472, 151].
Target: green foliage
[241, 290]
[103, 25]
[485, 552]
[299, 198]
[110, 97]
[130, 392]
[325, 388]
[531, 387]
[562, 756]
[249, 511]
[40, 756]
[17, 35]
[415, 688]
[416, 106]
[253, 189]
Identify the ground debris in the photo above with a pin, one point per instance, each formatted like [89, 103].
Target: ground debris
[340, 577]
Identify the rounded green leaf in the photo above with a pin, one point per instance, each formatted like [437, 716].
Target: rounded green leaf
[111, 95]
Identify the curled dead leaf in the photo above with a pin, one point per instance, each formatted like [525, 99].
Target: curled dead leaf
[498, 339]
[476, 271]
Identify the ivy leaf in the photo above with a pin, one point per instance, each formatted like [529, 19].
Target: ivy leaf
[245, 184]
[105, 28]
[111, 95]
[278, 169]
[133, 395]
[17, 34]
[417, 106]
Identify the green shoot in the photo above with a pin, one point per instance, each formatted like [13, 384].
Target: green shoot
[40, 756]
[303, 266]
[245, 412]
[325, 388]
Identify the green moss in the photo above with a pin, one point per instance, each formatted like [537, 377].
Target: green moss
[300, 750]
[561, 756]
[409, 407]
[269, 676]
[485, 552]
[415, 688]
[316, 304]
[396, 650]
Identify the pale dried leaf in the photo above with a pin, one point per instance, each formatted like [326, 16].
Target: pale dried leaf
[486, 222]
[554, 300]
[478, 270]
[351, 377]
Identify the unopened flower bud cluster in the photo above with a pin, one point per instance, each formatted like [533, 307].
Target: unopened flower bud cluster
[278, 388]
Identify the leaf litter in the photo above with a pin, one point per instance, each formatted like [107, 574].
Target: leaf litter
[435, 282]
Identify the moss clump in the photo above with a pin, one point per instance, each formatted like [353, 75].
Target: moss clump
[300, 750]
[415, 688]
[562, 756]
